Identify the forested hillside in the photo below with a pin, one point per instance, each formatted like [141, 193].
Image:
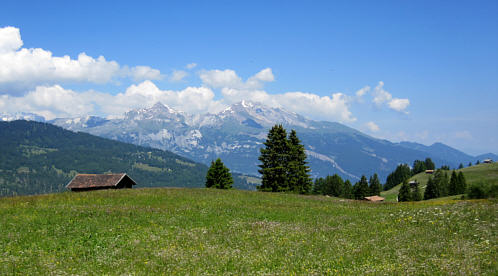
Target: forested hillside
[42, 158]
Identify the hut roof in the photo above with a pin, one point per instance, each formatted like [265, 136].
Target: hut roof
[97, 180]
[374, 198]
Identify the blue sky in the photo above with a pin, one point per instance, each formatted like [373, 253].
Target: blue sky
[436, 60]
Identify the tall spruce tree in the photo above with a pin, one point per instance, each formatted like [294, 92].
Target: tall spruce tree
[375, 186]
[347, 190]
[454, 185]
[429, 164]
[274, 159]
[361, 188]
[283, 163]
[417, 193]
[297, 170]
[405, 193]
[218, 176]
[462, 183]
[319, 186]
[419, 166]
[432, 190]
[442, 182]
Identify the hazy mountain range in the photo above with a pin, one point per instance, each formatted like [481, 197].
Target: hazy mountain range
[237, 133]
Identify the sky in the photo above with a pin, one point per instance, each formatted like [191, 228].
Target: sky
[421, 71]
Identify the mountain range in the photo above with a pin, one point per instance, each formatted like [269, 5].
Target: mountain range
[237, 133]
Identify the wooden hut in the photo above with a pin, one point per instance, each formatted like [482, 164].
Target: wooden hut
[429, 171]
[487, 161]
[374, 198]
[87, 182]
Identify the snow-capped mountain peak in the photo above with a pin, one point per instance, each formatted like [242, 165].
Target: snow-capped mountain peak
[21, 116]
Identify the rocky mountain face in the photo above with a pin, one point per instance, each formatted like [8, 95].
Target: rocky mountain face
[237, 133]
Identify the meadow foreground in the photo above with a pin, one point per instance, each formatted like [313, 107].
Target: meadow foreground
[204, 231]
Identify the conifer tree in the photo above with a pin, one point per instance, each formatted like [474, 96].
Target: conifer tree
[405, 193]
[218, 176]
[417, 193]
[319, 186]
[297, 170]
[375, 186]
[454, 185]
[442, 181]
[274, 158]
[470, 164]
[462, 183]
[347, 190]
[361, 188]
[431, 191]
[419, 166]
[460, 166]
[399, 175]
[429, 164]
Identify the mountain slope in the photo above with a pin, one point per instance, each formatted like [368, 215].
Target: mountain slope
[482, 173]
[237, 133]
[41, 158]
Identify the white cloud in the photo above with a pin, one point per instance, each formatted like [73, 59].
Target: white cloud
[140, 73]
[57, 102]
[372, 126]
[362, 91]
[191, 65]
[24, 68]
[219, 78]
[382, 97]
[234, 89]
[399, 104]
[50, 102]
[178, 75]
[229, 79]
[10, 39]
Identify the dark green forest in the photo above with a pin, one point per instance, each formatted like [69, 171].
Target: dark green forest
[42, 158]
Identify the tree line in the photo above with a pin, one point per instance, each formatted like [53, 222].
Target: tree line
[284, 169]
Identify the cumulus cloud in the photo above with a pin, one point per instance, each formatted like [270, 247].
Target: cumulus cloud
[57, 102]
[50, 102]
[399, 104]
[178, 75]
[362, 91]
[24, 68]
[373, 127]
[382, 97]
[334, 107]
[229, 79]
[191, 65]
[140, 73]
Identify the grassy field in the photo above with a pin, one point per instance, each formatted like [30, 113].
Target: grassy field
[200, 231]
[476, 174]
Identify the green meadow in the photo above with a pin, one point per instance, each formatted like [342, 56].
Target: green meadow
[205, 231]
[482, 173]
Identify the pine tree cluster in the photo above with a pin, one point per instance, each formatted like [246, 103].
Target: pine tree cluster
[441, 185]
[402, 173]
[283, 163]
[335, 186]
[409, 192]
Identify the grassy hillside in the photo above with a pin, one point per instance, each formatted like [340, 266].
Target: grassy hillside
[199, 231]
[42, 158]
[475, 174]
